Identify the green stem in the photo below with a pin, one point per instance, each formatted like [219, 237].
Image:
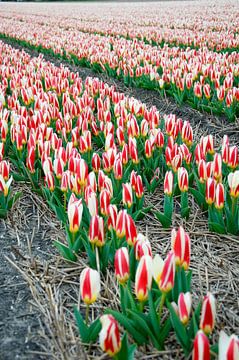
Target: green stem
[87, 314]
[161, 304]
[234, 201]
[141, 306]
[64, 197]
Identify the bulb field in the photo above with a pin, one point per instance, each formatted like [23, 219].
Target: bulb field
[119, 180]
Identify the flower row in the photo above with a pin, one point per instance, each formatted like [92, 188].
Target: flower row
[205, 79]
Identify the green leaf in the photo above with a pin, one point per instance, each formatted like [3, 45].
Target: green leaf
[167, 326]
[3, 213]
[181, 333]
[18, 177]
[13, 199]
[94, 330]
[65, 251]
[199, 197]
[129, 326]
[194, 323]
[153, 315]
[218, 228]
[165, 221]
[82, 327]
[127, 351]
[142, 324]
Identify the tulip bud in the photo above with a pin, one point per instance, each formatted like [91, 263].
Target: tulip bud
[89, 285]
[127, 195]
[4, 186]
[210, 190]
[184, 306]
[130, 230]
[182, 179]
[219, 197]
[121, 264]
[208, 314]
[112, 213]
[96, 231]
[181, 246]
[217, 167]
[143, 278]
[168, 183]
[233, 182]
[95, 162]
[201, 347]
[121, 224]
[164, 271]
[228, 347]
[74, 212]
[109, 335]
[139, 190]
[142, 247]
[104, 201]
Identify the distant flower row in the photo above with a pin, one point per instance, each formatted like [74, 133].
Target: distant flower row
[91, 152]
[194, 25]
[205, 79]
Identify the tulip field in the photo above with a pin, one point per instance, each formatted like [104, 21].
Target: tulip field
[141, 204]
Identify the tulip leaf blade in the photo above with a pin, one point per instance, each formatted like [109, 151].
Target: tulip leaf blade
[142, 324]
[194, 323]
[180, 331]
[3, 213]
[82, 327]
[65, 251]
[153, 315]
[13, 199]
[164, 220]
[128, 325]
[94, 330]
[164, 331]
[127, 351]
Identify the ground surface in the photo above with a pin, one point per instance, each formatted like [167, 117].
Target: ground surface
[38, 290]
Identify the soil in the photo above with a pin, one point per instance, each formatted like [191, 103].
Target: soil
[38, 289]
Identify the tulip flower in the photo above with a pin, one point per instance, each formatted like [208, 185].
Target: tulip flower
[143, 277]
[121, 224]
[233, 157]
[142, 247]
[92, 203]
[112, 213]
[219, 197]
[127, 195]
[181, 246]
[96, 231]
[74, 212]
[164, 271]
[217, 167]
[109, 335]
[184, 306]
[104, 201]
[4, 169]
[5, 185]
[139, 190]
[228, 347]
[121, 263]
[89, 285]
[130, 230]
[95, 162]
[168, 183]
[182, 179]
[233, 182]
[210, 191]
[201, 347]
[208, 314]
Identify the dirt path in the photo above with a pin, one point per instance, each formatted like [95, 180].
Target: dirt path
[24, 235]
